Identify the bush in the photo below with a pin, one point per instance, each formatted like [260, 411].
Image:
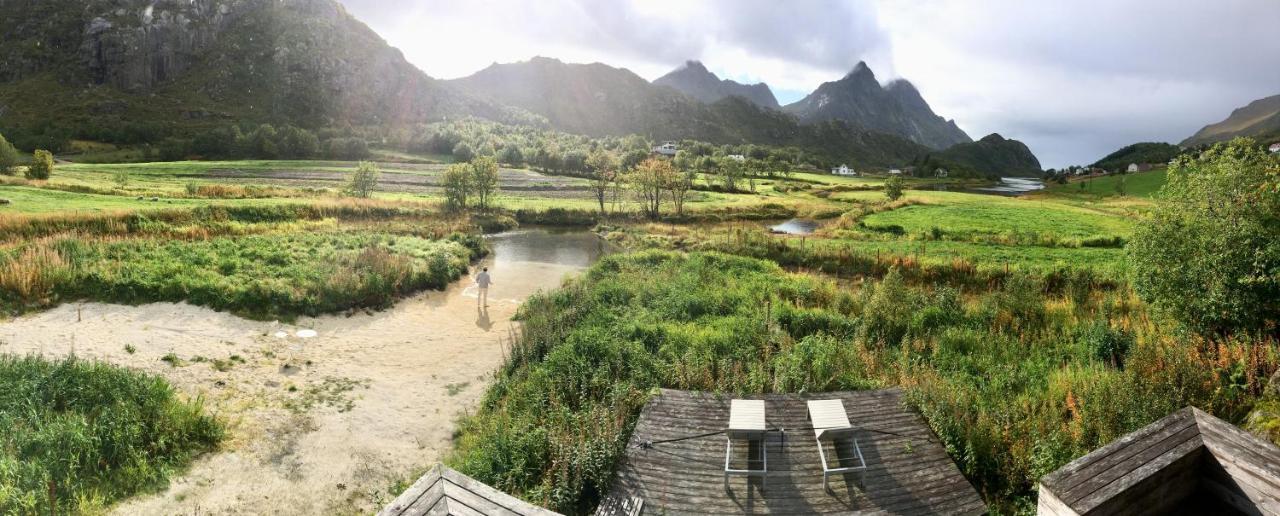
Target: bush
[80, 435]
[1207, 255]
[1105, 343]
[41, 165]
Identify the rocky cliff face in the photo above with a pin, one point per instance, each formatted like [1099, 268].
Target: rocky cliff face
[896, 109]
[693, 79]
[144, 44]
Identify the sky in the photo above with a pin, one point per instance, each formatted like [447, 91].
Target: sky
[1073, 80]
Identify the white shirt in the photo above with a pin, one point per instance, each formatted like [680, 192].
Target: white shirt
[482, 279]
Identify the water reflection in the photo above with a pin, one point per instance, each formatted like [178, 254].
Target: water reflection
[795, 227]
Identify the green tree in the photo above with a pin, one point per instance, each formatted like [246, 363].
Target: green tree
[8, 156]
[1209, 252]
[484, 180]
[649, 179]
[511, 155]
[603, 167]
[364, 180]
[462, 152]
[893, 188]
[41, 166]
[457, 186]
[730, 173]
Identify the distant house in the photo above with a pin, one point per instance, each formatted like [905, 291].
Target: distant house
[843, 170]
[941, 172]
[736, 157]
[1133, 167]
[1275, 147]
[895, 172]
[666, 149]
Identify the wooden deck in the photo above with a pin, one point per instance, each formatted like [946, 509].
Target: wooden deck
[443, 491]
[1188, 462]
[908, 472]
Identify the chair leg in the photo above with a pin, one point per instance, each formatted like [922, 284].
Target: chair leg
[728, 452]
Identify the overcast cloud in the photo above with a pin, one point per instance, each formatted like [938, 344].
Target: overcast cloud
[1074, 80]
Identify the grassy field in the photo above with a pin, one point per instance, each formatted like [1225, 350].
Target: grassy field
[1014, 381]
[1141, 184]
[80, 435]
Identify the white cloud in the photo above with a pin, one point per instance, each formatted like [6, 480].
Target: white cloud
[1074, 80]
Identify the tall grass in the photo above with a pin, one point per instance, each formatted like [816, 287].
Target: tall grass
[79, 435]
[277, 276]
[1014, 381]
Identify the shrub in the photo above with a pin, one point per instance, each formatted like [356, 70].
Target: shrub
[1105, 343]
[41, 165]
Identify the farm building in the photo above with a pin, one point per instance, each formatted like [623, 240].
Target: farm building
[843, 170]
[666, 149]
[1275, 147]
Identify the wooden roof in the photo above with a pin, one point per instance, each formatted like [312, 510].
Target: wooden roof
[908, 472]
[1188, 462]
[443, 491]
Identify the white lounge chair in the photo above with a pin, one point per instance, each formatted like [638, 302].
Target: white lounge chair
[831, 422]
[746, 422]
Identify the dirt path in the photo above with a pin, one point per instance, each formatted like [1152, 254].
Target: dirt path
[319, 425]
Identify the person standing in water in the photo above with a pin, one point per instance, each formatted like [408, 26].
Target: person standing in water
[483, 281]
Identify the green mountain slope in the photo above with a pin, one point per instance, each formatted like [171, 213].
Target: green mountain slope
[693, 79]
[993, 155]
[94, 66]
[1146, 152]
[1260, 119]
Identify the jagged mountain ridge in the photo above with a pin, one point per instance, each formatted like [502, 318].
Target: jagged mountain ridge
[693, 79]
[895, 109]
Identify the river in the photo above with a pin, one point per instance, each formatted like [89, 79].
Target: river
[318, 425]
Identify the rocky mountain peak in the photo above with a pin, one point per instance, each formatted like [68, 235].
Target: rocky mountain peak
[693, 79]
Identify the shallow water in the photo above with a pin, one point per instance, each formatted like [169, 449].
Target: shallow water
[795, 227]
[324, 424]
[1013, 186]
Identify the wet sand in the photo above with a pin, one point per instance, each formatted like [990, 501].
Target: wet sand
[319, 425]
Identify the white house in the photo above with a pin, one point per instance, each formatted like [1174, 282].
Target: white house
[1275, 147]
[736, 157]
[1133, 167]
[666, 149]
[941, 172]
[843, 170]
[895, 172]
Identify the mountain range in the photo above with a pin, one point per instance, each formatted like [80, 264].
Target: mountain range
[136, 70]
